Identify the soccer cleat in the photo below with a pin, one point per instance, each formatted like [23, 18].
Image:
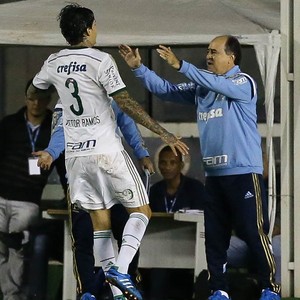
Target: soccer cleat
[267, 294]
[87, 296]
[124, 283]
[218, 295]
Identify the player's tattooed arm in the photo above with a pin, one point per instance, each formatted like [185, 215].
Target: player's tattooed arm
[137, 113]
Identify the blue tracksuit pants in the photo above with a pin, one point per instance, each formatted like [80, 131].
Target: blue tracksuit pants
[237, 202]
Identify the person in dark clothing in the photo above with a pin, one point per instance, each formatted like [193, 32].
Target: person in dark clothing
[22, 184]
[176, 191]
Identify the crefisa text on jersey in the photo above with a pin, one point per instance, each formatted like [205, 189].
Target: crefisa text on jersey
[73, 66]
[83, 122]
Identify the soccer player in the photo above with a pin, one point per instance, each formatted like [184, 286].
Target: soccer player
[100, 172]
[89, 282]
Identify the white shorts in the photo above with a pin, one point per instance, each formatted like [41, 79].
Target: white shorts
[100, 181]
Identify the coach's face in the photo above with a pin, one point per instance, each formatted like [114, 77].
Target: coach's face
[218, 61]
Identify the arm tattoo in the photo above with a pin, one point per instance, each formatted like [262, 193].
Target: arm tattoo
[137, 113]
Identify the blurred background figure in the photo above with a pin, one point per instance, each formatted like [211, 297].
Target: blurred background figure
[175, 191]
[21, 187]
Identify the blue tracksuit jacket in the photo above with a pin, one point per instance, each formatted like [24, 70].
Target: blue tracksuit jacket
[226, 115]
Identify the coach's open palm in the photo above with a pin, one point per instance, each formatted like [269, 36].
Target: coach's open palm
[132, 57]
[167, 54]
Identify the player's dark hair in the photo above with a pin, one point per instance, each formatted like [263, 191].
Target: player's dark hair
[233, 46]
[169, 149]
[74, 20]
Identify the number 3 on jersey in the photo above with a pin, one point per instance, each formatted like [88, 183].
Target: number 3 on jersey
[79, 111]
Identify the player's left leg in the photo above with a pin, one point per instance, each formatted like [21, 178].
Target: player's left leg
[119, 217]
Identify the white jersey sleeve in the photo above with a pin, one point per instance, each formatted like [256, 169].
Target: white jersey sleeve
[109, 76]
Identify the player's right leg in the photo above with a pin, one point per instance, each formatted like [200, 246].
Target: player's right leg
[130, 191]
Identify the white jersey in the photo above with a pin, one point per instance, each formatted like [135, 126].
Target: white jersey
[84, 78]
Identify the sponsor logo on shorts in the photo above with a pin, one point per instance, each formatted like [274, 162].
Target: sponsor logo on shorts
[125, 195]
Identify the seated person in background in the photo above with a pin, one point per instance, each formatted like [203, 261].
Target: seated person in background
[176, 191]
[21, 188]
